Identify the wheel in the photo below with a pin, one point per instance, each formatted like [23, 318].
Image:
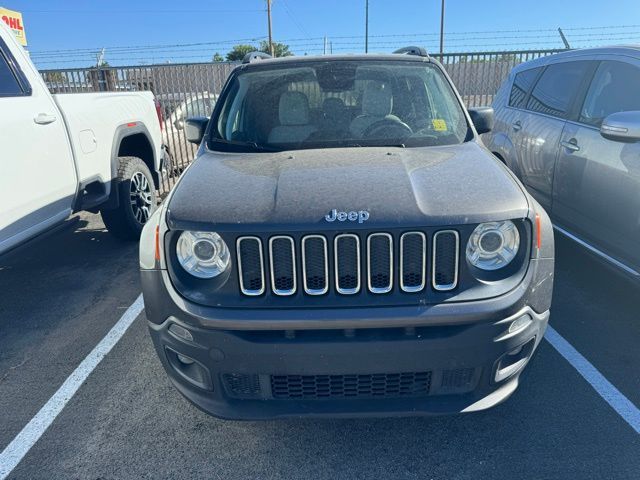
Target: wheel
[136, 197]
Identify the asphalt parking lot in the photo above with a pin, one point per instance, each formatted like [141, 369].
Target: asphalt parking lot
[62, 295]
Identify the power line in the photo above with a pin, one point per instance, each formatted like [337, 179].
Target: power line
[483, 36]
[169, 50]
[460, 41]
[129, 47]
[293, 19]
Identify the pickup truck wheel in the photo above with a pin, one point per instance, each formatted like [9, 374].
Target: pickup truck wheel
[137, 199]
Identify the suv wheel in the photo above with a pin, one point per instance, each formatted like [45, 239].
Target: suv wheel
[136, 199]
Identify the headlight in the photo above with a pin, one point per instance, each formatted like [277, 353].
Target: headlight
[202, 254]
[493, 245]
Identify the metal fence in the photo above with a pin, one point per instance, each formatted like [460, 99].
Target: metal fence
[182, 90]
[190, 89]
[478, 75]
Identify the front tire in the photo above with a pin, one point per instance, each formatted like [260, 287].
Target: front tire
[137, 199]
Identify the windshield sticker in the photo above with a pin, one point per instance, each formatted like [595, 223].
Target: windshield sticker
[439, 125]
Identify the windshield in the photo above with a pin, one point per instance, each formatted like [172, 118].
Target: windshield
[336, 104]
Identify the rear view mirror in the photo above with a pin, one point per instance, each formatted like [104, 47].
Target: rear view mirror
[482, 118]
[194, 129]
[622, 127]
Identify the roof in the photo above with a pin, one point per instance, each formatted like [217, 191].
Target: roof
[341, 57]
[632, 51]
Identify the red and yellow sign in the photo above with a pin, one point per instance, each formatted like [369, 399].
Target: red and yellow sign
[14, 20]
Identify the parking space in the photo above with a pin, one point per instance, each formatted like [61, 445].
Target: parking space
[127, 420]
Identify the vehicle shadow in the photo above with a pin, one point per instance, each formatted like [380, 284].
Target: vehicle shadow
[59, 272]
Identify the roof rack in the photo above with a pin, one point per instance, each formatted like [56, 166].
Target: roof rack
[255, 56]
[417, 51]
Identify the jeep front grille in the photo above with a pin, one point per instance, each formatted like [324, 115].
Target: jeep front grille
[413, 261]
[347, 261]
[315, 265]
[282, 260]
[343, 262]
[250, 265]
[380, 262]
[446, 247]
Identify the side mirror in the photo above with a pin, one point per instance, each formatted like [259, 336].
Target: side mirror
[194, 129]
[621, 127]
[482, 118]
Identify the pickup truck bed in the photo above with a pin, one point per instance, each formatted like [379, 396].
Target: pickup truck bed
[69, 152]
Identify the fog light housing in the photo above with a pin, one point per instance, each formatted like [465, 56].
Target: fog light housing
[185, 360]
[514, 360]
[189, 369]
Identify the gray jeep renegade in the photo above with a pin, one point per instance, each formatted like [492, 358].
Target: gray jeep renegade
[344, 245]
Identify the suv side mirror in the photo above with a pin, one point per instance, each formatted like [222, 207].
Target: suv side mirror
[621, 127]
[194, 129]
[482, 118]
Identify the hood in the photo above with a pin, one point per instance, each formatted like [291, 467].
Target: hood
[428, 186]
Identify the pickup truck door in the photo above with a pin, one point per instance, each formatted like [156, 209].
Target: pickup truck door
[38, 180]
[597, 182]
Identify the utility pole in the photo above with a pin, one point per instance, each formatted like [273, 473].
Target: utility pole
[366, 27]
[442, 30]
[269, 19]
[100, 58]
[564, 39]
[325, 46]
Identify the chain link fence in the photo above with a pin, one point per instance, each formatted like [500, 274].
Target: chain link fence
[185, 90]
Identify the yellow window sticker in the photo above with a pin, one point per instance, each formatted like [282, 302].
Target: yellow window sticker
[439, 125]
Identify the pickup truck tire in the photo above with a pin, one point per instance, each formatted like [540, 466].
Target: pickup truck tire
[136, 199]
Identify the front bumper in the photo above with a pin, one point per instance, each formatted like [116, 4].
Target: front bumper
[430, 359]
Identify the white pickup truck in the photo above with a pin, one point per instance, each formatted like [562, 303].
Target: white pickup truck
[64, 153]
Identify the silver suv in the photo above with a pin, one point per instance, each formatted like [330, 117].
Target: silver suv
[568, 125]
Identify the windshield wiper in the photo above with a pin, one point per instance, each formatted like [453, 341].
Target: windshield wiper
[254, 146]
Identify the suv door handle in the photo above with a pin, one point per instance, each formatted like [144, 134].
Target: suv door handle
[44, 118]
[572, 145]
[517, 126]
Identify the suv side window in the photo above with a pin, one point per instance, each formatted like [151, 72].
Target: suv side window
[614, 89]
[9, 86]
[522, 84]
[558, 84]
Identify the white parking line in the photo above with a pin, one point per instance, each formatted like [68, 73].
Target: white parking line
[621, 404]
[31, 433]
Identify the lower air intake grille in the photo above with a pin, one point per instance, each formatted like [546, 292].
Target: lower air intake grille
[241, 385]
[380, 385]
[445, 260]
[460, 377]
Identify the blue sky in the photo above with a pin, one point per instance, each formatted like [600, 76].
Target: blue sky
[81, 27]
